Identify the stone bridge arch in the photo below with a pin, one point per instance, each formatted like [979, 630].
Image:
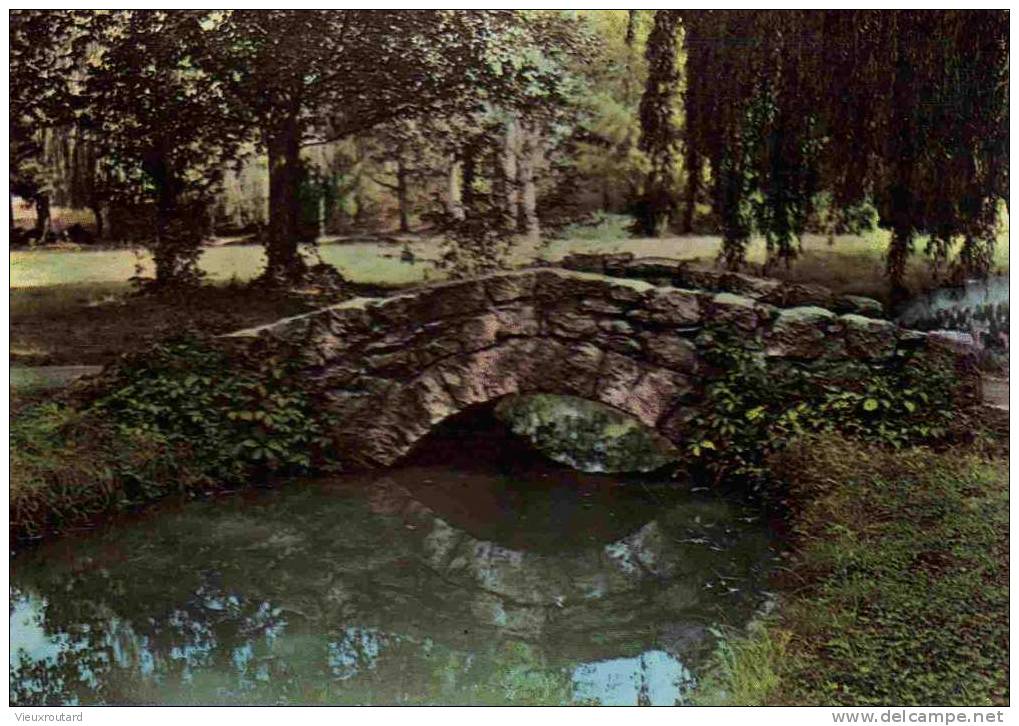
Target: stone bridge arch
[391, 369]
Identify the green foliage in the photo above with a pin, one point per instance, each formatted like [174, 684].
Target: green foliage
[184, 417]
[69, 465]
[478, 244]
[906, 563]
[746, 667]
[659, 128]
[898, 585]
[754, 407]
[906, 110]
[240, 418]
[598, 227]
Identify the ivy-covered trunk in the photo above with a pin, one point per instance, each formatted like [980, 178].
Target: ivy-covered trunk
[284, 150]
[178, 236]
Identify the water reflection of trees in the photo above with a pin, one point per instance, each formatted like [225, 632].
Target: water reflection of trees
[307, 598]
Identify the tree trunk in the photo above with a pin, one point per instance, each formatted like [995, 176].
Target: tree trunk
[42, 215]
[454, 200]
[506, 174]
[321, 213]
[97, 212]
[527, 222]
[693, 181]
[900, 198]
[165, 252]
[402, 195]
[284, 262]
[658, 133]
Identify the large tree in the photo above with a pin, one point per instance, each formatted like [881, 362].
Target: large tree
[659, 136]
[306, 77]
[41, 64]
[161, 124]
[903, 109]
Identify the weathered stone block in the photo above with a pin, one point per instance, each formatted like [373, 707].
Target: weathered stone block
[491, 373]
[339, 373]
[671, 306]
[451, 299]
[755, 287]
[742, 312]
[618, 375]
[478, 332]
[603, 307]
[555, 287]
[653, 267]
[625, 344]
[868, 337]
[505, 288]
[616, 327]
[799, 295]
[432, 398]
[572, 368]
[858, 305]
[350, 317]
[656, 392]
[805, 332]
[671, 351]
[517, 320]
[571, 324]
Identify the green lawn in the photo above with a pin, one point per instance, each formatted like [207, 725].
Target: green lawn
[70, 307]
[896, 589]
[360, 262]
[851, 262]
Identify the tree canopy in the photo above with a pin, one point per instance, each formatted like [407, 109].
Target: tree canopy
[904, 109]
[741, 123]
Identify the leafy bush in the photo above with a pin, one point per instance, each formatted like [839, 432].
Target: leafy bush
[753, 408]
[240, 417]
[184, 417]
[599, 226]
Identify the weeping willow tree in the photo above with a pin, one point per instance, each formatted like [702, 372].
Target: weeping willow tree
[905, 110]
[659, 130]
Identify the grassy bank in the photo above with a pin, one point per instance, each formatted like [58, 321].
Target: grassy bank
[183, 417]
[896, 591]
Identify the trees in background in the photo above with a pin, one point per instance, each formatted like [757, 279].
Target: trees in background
[161, 124]
[906, 110]
[306, 77]
[488, 121]
[659, 138]
[40, 98]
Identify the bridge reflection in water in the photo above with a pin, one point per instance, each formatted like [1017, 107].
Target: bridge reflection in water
[491, 577]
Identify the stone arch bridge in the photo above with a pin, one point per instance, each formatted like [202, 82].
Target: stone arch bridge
[393, 368]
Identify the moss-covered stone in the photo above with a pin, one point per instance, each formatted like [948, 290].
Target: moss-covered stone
[586, 435]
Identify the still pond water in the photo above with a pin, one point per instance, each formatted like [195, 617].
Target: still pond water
[466, 576]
